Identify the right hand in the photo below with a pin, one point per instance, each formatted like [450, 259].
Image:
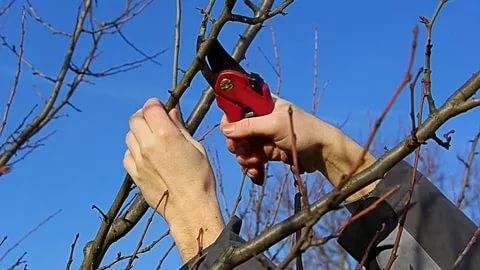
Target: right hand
[259, 139]
[320, 146]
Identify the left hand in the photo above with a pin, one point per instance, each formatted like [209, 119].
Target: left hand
[163, 156]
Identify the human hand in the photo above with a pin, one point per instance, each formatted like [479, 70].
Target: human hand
[320, 146]
[259, 139]
[162, 156]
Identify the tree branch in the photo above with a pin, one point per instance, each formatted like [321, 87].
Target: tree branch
[236, 255]
[110, 231]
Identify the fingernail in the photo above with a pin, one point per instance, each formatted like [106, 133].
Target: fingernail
[228, 128]
[152, 101]
[250, 173]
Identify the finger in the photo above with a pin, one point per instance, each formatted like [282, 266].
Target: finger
[248, 127]
[250, 161]
[139, 127]
[243, 147]
[256, 174]
[133, 146]
[156, 117]
[129, 164]
[230, 145]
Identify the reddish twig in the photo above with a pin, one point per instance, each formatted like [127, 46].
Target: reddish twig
[472, 241]
[295, 167]
[413, 181]
[406, 78]
[468, 169]
[367, 210]
[372, 243]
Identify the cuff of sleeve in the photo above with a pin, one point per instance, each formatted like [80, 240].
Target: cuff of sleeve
[229, 237]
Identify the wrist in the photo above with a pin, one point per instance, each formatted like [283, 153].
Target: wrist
[339, 155]
[185, 222]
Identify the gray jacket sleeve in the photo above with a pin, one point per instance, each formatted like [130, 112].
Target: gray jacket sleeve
[435, 232]
[228, 237]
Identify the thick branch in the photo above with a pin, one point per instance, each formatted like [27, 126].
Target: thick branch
[112, 230]
[34, 126]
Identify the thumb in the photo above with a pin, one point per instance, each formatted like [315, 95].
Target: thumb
[248, 127]
[176, 118]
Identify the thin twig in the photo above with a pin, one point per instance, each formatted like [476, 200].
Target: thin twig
[3, 240]
[144, 233]
[258, 205]
[468, 169]
[279, 198]
[16, 78]
[33, 13]
[165, 255]
[145, 249]
[24, 237]
[19, 262]
[43, 116]
[472, 241]
[238, 198]
[413, 181]
[6, 7]
[176, 50]
[372, 243]
[406, 78]
[72, 250]
[315, 72]
[208, 132]
[295, 166]
[412, 101]
[111, 230]
[427, 82]
[135, 48]
[278, 66]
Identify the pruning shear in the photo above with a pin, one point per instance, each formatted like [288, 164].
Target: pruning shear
[238, 93]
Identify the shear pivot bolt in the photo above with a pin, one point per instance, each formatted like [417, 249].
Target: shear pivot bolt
[226, 84]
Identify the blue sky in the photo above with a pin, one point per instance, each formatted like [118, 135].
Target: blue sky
[363, 51]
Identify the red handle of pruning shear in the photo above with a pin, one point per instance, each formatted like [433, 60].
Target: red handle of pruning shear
[239, 97]
[238, 93]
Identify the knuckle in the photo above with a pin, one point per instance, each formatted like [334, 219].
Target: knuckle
[246, 123]
[147, 151]
[132, 119]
